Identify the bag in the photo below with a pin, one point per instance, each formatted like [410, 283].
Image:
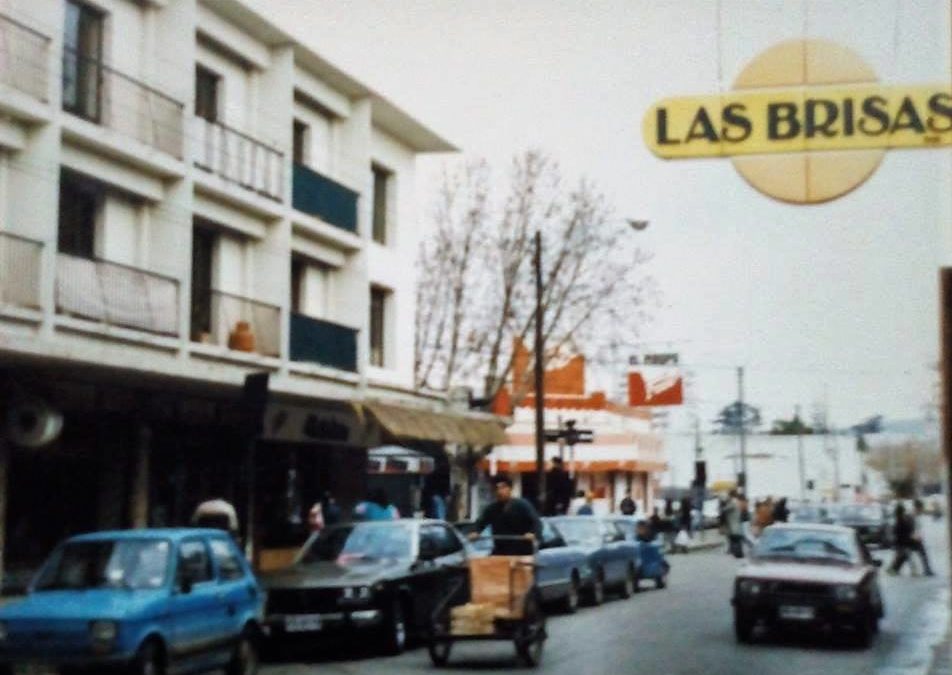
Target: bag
[682, 539]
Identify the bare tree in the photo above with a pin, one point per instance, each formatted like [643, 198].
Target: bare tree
[476, 295]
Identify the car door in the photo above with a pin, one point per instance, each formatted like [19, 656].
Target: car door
[553, 566]
[425, 574]
[195, 609]
[237, 591]
[616, 556]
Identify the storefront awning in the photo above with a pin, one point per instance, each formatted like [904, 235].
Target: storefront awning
[406, 423]
[597, 466]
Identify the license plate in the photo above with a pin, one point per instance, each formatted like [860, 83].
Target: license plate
[794, 613]
[302, 623]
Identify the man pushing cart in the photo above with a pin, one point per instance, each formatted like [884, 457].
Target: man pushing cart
[504, 602]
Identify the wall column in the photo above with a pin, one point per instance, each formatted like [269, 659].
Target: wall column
[139, 487]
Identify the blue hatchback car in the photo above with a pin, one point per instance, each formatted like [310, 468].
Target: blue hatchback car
[144, 601]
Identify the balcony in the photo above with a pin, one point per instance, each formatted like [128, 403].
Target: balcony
[320, 196]
[20, 265]
[23, 58]
[99, 94]
[323, 342]
[238, 323]
[237, 158]
[117, 295]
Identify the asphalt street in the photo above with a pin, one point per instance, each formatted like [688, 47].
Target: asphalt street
[687, 628]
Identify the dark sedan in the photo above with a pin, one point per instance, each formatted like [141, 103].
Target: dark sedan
[816, 577]
[868, 520]
[613, 561]
[382, 577]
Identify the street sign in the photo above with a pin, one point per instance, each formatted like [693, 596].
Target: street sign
[570, 434]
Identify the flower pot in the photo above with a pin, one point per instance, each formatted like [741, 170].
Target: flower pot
[241, 339]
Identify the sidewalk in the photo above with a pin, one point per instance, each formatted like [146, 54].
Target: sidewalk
[701, 541]
[942, 657]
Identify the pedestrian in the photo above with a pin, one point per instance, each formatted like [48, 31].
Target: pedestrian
[903, 531]
[377, 506]
[315, 517]
[437, 507]
[657, 525]
[577, 502]
[685, 522]
[588, 508]
[558, 487]
[781, 513]
[330, 509]
[918, 544]
[628, 507]
[734, 525]
[643, 532]
[508, 516]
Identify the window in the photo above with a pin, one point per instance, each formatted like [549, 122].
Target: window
[80, 203]
[310, 288]
[297, 283]
[301, 138]
[82, 60]
[378, 331]
[206, 93]
[229, 567]
[381, 185]
[441, 540]
[194, 563]
[203, 251]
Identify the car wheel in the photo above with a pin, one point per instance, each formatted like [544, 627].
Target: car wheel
[570, 602]
[244, 660]
[531, 636]
[628, 585]
[743, 627]
[395, 630]
[148, 659]
[439, 652]
[596, 594]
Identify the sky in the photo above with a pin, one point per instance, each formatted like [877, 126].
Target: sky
[833, 303]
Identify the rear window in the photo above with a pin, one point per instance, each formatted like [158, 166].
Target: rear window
[229, 567]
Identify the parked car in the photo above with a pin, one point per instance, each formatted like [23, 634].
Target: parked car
[613, 561]
[652, 563]
[563, 572]
[384, 577]
[147, 601]
[812, 576]
[868, 520]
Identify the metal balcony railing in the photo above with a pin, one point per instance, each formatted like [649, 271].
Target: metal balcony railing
[239, 323]
[20, 265]
[94, 91]
[325, 198]
[117, 294]
[328, 344]
[24, 62]
[239, 158]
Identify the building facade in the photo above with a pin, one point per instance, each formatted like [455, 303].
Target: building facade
[189, 195]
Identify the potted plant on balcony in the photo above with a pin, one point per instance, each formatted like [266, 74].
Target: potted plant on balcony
[242, 339]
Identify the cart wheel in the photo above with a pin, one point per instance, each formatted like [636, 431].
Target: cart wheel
[530, 638]
[439, 652]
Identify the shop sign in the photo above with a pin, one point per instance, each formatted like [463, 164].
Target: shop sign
[312, 424]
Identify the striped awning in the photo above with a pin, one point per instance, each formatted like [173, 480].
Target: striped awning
[407, 424]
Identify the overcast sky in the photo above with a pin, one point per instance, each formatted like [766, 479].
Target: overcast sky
[839, 297]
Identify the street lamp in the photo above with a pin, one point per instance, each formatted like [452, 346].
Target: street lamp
[539, 371]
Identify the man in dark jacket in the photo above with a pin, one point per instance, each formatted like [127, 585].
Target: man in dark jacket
[559, 488]
[509, 516]
[902, 538]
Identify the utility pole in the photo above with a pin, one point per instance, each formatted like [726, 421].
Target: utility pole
[800, 464]
[742, 478]
[539, 377]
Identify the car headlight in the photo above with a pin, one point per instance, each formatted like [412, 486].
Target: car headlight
[750, 587]
[356, 593]
[103, 631]
[845, 593]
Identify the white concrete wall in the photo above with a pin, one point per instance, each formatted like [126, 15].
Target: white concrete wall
[147, 221]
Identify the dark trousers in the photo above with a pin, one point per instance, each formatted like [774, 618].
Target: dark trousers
[902, 555]
[920, 548]
[735, 544]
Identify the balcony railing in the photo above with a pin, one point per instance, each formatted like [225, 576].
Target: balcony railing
[241, 324]
[24, 58]
[116, 294]
[323, 342]
[94, 91]
[327, 199]
[20, 265]
[238, 158]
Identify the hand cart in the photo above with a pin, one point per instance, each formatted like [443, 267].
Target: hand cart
[504, 604]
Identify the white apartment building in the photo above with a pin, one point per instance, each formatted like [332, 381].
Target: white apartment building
[187, 195]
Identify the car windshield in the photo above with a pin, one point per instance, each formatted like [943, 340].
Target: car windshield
[362, 542]
[797, 544]
[807, 514]
[581, 531]
[860, 512]
[135, 564]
